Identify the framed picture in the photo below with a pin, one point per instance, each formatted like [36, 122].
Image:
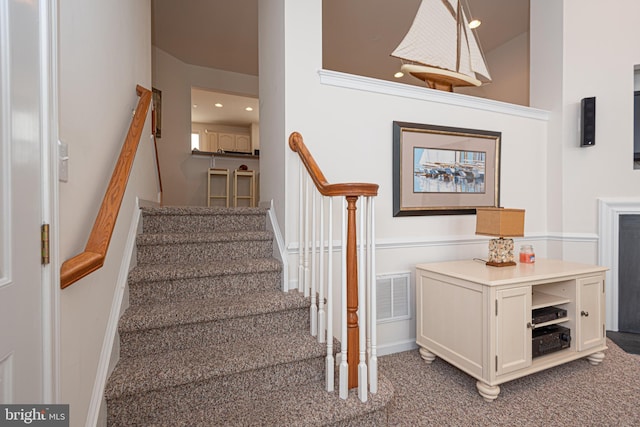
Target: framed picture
[440, 170]
[156, 112]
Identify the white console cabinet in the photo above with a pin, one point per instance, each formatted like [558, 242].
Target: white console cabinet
[479, 318]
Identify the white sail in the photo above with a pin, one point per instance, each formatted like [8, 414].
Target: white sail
[440, 37]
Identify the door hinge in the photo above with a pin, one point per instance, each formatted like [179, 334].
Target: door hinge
[45, 243]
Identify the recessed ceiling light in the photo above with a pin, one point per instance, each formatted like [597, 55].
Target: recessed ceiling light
[475, 23]
[398, 74]
[218, 105]
[195, 105]
[249, 109]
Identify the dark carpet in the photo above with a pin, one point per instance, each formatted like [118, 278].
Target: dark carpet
[625, 340]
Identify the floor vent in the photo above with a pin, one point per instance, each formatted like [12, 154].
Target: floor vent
[392, 295]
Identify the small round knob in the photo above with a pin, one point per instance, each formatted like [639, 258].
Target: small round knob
[584, 313]
[531, 325]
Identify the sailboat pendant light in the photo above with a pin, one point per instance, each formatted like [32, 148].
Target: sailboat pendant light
[440, 49]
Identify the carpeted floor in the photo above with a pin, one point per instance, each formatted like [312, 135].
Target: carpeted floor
[573, 394]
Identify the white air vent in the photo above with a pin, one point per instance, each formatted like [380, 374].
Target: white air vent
[392, 297]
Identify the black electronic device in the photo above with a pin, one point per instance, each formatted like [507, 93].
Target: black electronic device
[588, 122]
[549, 339]
[636, 125]
[547, 314]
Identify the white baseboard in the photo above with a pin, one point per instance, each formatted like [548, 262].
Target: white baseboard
[397, 347]
[105, 362]
[279, 250]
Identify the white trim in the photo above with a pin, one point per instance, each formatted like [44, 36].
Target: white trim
[405, 243]
[279, 249]
[48, 22]
[410, 243]
[5, 148]
[608, 227]
[397, 347]
[368, 84]
[102, 372]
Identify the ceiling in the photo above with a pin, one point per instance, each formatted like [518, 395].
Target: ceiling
[358, 35]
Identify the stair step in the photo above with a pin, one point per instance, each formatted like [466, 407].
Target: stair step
[159, 371]
[154, 283]
[195, 219]
[194, 311]
[158, 328]
[189, 248]
[307, 404]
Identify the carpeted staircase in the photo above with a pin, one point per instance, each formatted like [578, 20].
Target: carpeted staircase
[209, 338]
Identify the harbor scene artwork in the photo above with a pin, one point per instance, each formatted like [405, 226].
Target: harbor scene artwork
[443, 170]
[448, 171]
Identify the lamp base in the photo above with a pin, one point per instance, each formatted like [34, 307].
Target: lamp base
[500, 264]
[501, 252]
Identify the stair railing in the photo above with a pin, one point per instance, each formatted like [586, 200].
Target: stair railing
[358, 358]
[92, 258]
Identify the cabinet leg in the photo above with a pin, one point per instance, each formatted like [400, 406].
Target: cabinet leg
[488, 392]
[596, 358]
[427, 355]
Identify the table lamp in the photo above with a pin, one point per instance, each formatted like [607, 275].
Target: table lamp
[500, 222]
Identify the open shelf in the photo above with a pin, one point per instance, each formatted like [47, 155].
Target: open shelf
[541, 300]
[552, 322]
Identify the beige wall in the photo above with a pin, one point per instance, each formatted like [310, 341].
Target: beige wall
[509, 68]
[104, 52]
[184, 175]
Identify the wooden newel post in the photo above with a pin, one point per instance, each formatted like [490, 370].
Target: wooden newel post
[352, 294]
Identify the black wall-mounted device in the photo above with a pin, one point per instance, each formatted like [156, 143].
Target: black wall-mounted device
[588, 122]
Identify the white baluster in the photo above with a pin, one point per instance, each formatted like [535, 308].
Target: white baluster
[321, 285]
[330, 366]
[303, 183]
[306, 237]
[313, 309]
[362, 311]
[372, 289]
[344, 367]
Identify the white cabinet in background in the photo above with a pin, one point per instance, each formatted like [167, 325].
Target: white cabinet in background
[480, 318]
[228, 142]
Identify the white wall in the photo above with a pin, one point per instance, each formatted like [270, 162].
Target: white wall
[543, 169]
[572, 58]
[349, 132]
[183, 175]
[104, 52]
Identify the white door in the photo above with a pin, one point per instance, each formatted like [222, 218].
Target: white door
[23, 128]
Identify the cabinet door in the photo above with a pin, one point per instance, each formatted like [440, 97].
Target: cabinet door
[243, 143]
[227, 141]
[590, 312]
[513, 336]
[212, 142]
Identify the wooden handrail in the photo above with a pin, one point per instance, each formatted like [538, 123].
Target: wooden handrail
[296, 143]
[95, 251]
[351, 191]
